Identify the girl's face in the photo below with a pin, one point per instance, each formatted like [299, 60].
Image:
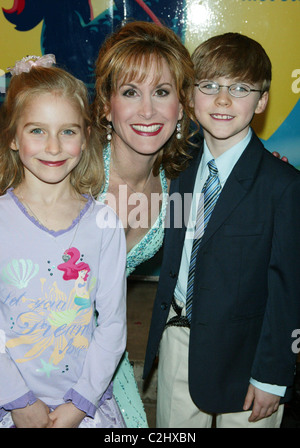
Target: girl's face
[144, 115]
[49, 137]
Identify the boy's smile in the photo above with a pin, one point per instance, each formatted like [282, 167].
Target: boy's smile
[224, 118]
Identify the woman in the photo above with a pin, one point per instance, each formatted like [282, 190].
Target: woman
[144, 82]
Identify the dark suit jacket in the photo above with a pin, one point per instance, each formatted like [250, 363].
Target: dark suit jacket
[247, 282]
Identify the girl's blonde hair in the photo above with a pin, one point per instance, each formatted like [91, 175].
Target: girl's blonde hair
[88, 176]
[126, 55]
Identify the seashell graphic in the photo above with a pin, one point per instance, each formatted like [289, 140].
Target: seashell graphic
[18, 273]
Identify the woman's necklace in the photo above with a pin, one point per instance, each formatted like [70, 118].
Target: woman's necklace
[65, 255]
[138, 193]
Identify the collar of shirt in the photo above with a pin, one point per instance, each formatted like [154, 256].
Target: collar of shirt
[224, 162]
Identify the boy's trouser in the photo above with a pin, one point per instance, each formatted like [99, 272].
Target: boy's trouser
[175, 408]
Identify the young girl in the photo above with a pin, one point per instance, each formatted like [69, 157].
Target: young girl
[62, 257]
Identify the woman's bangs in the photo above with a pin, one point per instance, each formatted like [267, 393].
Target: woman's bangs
[136, 68]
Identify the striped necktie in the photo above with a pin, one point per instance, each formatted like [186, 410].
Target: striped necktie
[209, 196]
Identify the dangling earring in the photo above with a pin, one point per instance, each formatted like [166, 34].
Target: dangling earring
[109, 132]
[178, 131]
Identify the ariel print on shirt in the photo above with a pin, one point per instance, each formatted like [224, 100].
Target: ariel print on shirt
[56, 319]
[78, 272]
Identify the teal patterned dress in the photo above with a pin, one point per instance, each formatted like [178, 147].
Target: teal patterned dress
[124, 384]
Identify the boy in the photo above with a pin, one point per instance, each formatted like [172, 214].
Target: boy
[231, 356]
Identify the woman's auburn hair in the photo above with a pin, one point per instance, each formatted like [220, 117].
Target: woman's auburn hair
[127, 55]
[88, 176]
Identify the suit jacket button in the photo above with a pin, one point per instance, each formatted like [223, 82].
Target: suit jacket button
[164, 306]
[173, 274]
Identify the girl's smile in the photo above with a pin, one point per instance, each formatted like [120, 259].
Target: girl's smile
[53, 164]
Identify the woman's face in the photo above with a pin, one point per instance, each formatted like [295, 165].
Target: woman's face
[144, 114]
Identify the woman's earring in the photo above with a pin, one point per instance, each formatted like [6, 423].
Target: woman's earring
[178, 131]
[109, 132]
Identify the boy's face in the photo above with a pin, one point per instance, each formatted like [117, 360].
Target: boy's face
[226, 119]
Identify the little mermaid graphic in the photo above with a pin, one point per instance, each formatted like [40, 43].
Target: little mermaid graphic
[78, 272]
[66, 320]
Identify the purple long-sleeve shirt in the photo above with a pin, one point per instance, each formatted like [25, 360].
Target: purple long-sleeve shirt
[51, 346]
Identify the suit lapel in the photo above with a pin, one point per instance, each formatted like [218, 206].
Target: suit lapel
[236, 187]
[186, 187]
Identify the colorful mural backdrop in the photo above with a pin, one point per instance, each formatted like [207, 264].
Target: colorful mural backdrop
[74, 29]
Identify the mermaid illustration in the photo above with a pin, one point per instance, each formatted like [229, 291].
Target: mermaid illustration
[76, 21]
[39, 333]
[78, 272]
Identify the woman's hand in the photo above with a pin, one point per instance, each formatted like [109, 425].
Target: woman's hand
[283, 158]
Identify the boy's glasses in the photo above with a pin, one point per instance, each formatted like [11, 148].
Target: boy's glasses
[238, 90]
